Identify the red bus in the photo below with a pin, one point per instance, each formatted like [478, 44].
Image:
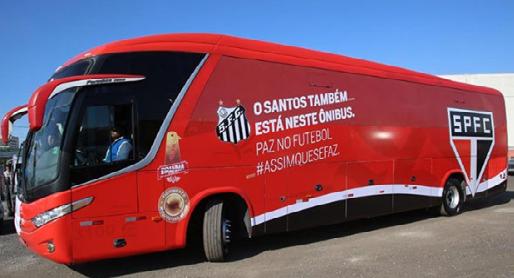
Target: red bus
[143, 144]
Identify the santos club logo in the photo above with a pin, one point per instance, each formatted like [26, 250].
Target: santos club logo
[472, 140]
[233, 125]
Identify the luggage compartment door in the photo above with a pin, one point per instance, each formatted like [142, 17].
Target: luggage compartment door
[369, 190]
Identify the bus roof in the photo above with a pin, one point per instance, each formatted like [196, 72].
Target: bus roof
[254, 49]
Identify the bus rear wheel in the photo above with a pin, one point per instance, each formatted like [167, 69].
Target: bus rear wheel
[453, 197]
[217, 231]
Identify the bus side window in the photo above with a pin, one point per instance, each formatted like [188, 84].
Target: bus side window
[99, 150]
[93, 135]
[96, 133]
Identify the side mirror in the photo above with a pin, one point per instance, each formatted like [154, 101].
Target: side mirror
[9, 118]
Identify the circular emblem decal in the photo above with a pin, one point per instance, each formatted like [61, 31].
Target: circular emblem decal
[173, 204]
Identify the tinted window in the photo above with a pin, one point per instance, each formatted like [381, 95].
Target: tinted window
[45, 145]
[137, 108]
[102, 130]
[78, 68]
[165, 72]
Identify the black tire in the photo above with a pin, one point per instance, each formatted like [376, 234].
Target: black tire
[216, 233]
[453, 197]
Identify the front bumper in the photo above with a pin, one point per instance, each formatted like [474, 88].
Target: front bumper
[51, 241]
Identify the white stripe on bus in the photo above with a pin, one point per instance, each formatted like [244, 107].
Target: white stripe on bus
[366, 191]
[236, 129]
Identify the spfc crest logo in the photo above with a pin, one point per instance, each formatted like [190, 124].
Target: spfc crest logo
[233, 125]
[472, 140]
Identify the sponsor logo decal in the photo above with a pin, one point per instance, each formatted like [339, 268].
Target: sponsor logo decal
[233, 125]
[472, 141]
[173, 204]
[173, 164]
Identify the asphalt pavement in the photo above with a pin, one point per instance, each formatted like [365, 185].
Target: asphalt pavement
[477, 243]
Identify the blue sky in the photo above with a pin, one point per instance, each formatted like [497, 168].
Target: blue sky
[438, 37]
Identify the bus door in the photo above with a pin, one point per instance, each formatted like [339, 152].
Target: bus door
[105, 145]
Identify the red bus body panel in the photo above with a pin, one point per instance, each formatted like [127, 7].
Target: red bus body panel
[384, 146]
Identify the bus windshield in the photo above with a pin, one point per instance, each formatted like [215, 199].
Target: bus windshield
[108, 127]
[44, 145]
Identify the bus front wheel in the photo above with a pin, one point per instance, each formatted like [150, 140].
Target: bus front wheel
[217, 231]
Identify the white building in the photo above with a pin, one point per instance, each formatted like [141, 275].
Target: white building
[503, 82]
[14, 142]
[7, 151]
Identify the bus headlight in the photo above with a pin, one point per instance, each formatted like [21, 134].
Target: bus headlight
[49, 215]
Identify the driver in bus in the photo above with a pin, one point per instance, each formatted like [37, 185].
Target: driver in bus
[120, 147]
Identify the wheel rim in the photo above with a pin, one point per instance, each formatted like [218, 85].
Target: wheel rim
[452, 197]
[226, 230]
